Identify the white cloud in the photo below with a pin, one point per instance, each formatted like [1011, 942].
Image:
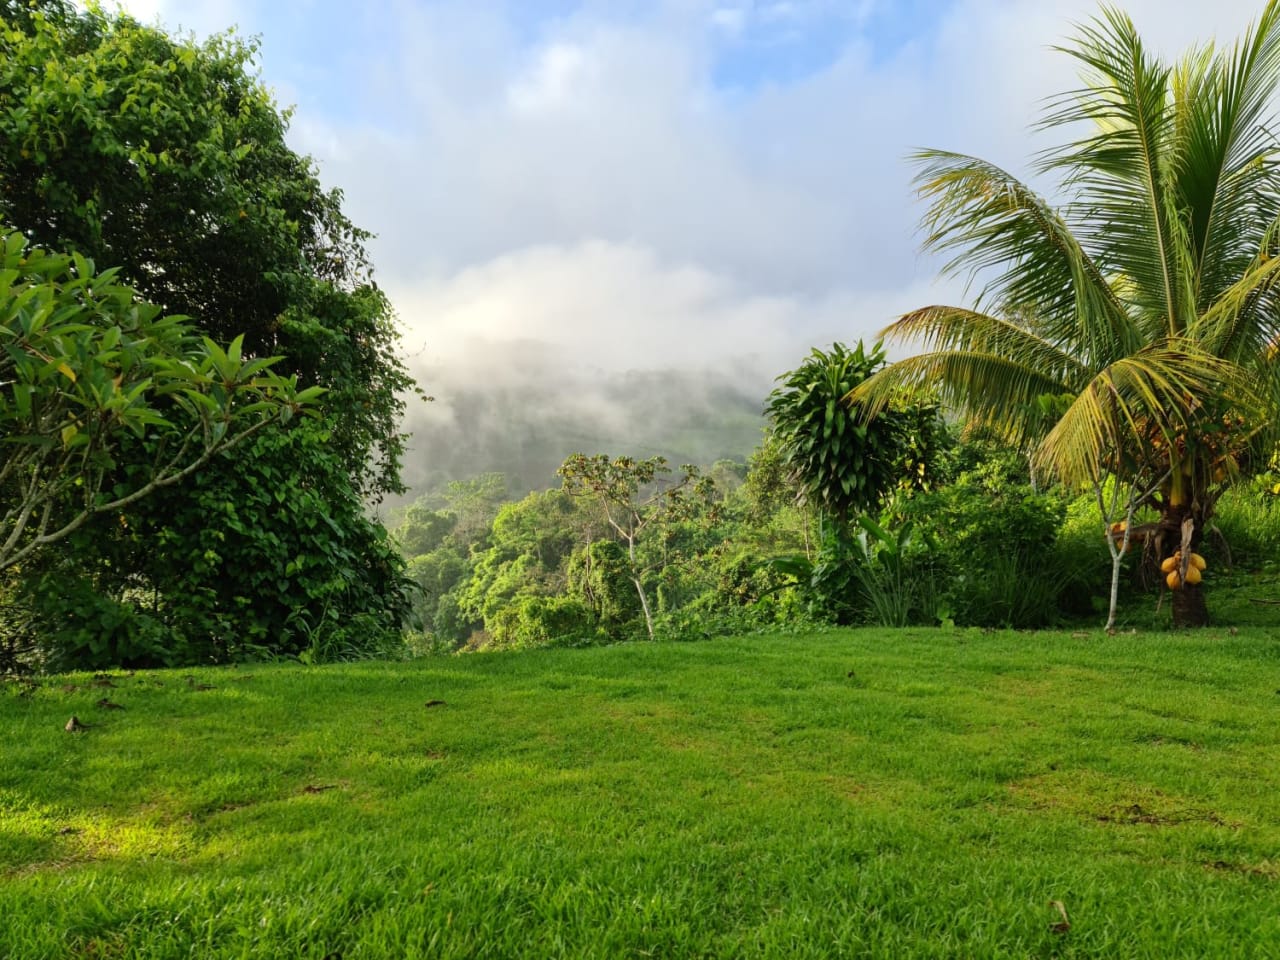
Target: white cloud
[584, 190]
[602, 306]
[560, 70]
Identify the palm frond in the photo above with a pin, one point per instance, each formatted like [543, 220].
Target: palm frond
[1243, 318]
[995, 225]
[1122, 173]
[991, 390]
[1155, 388]
[1229, 177]
[960, 330]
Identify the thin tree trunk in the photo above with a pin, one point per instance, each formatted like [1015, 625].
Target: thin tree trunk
[1117, 552]
[1133, 498]
[635, 578]
[644, 605]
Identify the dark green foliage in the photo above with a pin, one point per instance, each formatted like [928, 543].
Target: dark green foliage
[276, 565]
[24, 14]
[168, 159]
[88, 375]
[286, 547]
[82, 627]
[841, 461]
[987, 544]
[448, 625]
[831, 589]
[19, 638]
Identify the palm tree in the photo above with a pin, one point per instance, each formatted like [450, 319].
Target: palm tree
[1143, 310]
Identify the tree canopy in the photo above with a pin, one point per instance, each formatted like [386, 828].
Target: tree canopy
[167, 159]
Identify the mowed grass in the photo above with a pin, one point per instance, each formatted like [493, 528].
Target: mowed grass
[839, 794]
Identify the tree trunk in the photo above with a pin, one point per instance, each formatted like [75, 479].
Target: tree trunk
[1189, 608]
[1188, 604]
[644, 605]
[636, 579]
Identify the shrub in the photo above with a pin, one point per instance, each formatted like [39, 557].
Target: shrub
[539, 622]
[987, 543]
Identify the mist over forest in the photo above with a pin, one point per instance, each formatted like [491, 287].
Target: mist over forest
[522, 409]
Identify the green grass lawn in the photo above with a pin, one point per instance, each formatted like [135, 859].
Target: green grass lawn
[847, 793]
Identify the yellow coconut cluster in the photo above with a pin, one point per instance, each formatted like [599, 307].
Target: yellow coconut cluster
[1173, 565]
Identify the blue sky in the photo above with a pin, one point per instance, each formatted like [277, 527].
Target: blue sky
[561, 187]
[319, 54]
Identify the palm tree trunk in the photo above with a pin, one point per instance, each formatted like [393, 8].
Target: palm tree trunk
[1188, 603]
[1189, 608]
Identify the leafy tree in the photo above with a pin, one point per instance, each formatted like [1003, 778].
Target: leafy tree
[167, 158]
[598, 574]
[841, 460]
[1147, 300]
[423, 530]
[528, 544]
[639, 503]
[475, 503]
[84, 366]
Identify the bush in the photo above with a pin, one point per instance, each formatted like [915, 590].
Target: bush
[80, 628]
[540, 622]
[320, 577]
[988, 547]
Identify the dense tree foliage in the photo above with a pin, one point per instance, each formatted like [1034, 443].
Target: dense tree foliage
[166, 159]
[639, 502]
[84, 367]
[1141, 313]
[841, 460]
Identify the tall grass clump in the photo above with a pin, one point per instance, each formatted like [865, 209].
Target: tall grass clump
[1247, 525]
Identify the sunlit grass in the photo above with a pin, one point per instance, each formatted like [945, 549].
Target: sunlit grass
[873, 793]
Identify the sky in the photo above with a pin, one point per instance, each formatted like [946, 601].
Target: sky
[565, 186]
